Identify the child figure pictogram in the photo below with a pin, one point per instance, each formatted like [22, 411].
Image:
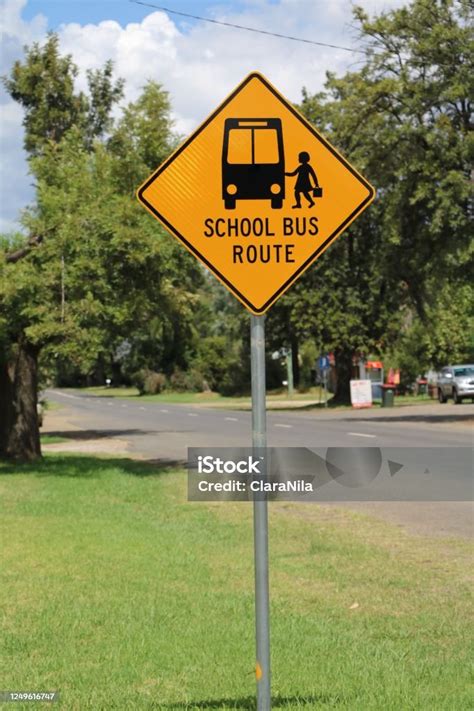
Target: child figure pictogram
[303, 182]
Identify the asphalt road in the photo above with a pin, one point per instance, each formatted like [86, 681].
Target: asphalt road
[165, 431]
[158, 431]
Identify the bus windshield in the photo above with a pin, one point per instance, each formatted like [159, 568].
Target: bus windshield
[253, 146]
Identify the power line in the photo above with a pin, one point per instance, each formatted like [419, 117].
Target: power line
[247, 29]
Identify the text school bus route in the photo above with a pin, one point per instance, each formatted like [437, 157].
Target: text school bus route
[276, 250]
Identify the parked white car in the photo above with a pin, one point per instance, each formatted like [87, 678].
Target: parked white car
[456, 381]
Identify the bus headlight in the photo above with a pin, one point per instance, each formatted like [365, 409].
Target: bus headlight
[231, 189]
[275, 188]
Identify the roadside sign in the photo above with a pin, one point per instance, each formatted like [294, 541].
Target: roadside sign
[324, 365]
[323, 362]
[256, 193]
[361, 393]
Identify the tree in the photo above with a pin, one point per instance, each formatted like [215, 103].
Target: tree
[141, 141]
[18, 370]
[97, 279]
[345, 303]
[405, 120]
[410, 110]
[447, 336]
[123, 280]
[44, 85]
[142, 138]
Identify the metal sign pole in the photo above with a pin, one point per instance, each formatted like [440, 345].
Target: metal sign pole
[289, 371]
[260, 518]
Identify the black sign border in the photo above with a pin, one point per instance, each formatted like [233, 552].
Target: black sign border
[254, 309]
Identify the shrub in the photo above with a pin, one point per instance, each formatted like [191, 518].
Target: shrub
[224, 367]
[148, 382]
[155, 383]
[138, 380]
[190, 381]
[196, 382]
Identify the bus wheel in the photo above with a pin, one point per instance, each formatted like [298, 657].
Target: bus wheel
[277, 203]
[229, 203]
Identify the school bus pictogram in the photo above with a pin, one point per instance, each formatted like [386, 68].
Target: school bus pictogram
[253, 161]
[256, 193]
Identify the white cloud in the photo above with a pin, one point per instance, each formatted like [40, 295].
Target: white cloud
[15, 183]
[16, 190]
[12, 25]
[198, 67]
[138, 50]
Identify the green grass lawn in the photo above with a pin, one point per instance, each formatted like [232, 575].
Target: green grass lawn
[53, 439]
[206, 397]
[121, 595]
[212, 398]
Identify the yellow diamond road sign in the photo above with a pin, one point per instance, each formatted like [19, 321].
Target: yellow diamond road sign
[256, 193]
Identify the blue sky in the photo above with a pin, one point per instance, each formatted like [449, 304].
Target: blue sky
[124, 11]
[198, 63]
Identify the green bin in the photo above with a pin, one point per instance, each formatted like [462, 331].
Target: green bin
[388, 396]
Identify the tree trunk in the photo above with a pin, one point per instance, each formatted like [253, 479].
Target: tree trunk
[19, 430]
[295, 362]
[342, 396]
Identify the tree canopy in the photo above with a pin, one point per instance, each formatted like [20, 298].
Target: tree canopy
[99, 274]
[404, 119]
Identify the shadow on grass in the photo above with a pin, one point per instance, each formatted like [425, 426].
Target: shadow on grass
[248, 703]
[74, 466]
[80, 435]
